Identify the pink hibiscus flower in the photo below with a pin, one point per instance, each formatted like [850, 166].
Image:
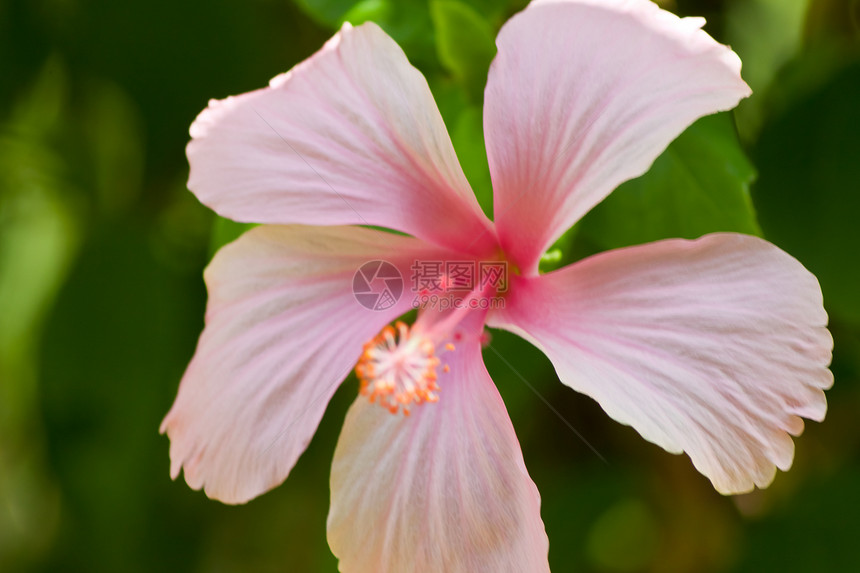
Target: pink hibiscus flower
[715, 347]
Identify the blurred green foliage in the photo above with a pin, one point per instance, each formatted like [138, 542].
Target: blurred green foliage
[101, 295]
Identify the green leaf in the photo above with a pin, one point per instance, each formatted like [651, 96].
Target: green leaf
[468, 139]
[370, 11]
[114, 133]
[39, 232]
[464, 43]
[699, 185]
[226, 231]
[765, 34]
[39, 239]
[406, 21]
[809, 192]
[497, 11]
[327, 12]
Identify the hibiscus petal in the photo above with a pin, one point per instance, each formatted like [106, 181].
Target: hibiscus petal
[716, 347]
[283, 329]
[584, 95]
[444, 489]
[350, 136]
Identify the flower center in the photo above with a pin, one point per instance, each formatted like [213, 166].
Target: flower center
[398, 369]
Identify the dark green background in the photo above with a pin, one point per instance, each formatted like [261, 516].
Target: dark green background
[101, 294]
